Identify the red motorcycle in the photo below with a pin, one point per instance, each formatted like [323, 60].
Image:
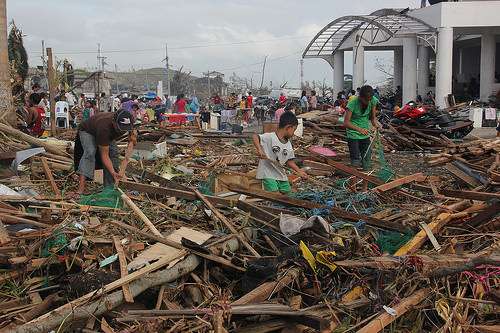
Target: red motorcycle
[427, 119]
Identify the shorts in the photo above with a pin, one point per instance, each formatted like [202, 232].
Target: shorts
[273, 185]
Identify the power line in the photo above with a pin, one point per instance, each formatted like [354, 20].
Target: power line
[183, 47]
[259, 63]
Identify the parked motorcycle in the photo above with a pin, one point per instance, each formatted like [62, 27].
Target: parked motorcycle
[431, 121]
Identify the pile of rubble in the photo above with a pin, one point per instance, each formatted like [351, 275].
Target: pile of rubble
[190, 242]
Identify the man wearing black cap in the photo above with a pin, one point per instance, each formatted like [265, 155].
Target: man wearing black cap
[100, 133]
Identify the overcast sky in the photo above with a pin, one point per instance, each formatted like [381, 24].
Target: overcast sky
[224, 35]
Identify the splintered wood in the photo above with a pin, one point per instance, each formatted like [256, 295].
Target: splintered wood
[194, 243]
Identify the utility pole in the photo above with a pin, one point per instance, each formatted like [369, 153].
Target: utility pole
[98, 92]
[263, 71]
[52, 91]
[116, 79]
[100, 68]
[209, 92]
[168, 69]
[6, 109]
[301, 73]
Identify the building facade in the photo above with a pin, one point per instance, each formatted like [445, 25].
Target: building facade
[460, 38]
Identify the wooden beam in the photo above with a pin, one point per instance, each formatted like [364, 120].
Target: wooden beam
[50, 177]
[462, 175]
[378, 323]
[354, 172]
[10, 219]
[398, 182]
[140, 214]
[419, 239]
[4, 235]
[170, 192]
[123, 268]
[470, 195]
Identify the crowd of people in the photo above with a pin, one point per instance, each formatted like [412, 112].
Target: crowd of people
[101, 121]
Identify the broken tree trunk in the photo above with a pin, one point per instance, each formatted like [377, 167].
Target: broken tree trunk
[31, 140]
[90, 305]
[377, 324]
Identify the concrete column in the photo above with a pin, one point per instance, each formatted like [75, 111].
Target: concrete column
[398, 68]
[358, 64]
[338, 72]
[423, 70]
[444, 65]
[487, 78]
[409, 69]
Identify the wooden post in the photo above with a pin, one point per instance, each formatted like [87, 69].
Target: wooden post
[123, 268]
[50, 177]
[6, 109]
[52, 91]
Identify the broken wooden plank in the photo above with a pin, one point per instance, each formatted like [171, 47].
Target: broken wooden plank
[170, 192]
[435, 227]
[470, 195]
[377, 324]
[50, 177]
[140, 214]
[168, 242]
[462, 175]
[159, 300]
[430, 235]
[4, 235]
[400, 181]
[226, 222]
[105, 326]
[93, 304]
[123, 268]
[10, 219]
[354, 172]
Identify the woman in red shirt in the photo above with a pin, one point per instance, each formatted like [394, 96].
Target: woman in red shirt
[180, 104]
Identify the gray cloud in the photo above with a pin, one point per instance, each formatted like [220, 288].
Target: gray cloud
[280, 29]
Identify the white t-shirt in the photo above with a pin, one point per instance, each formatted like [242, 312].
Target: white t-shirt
[276, 151]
